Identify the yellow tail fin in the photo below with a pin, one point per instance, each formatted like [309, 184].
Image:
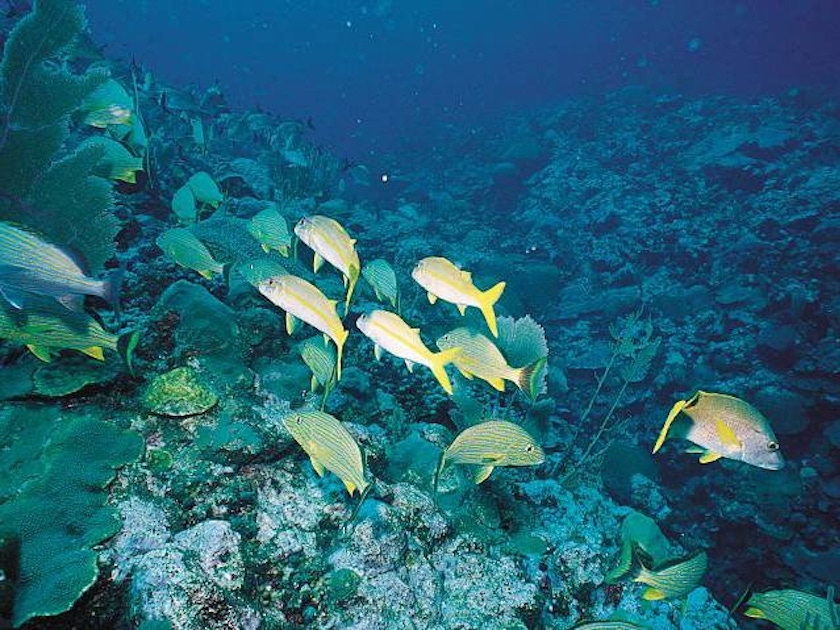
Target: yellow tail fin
[528, 378]
[340, 352]
[438, 367]
[487, 300]
[675, 410]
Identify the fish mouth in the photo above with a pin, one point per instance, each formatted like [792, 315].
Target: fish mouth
[774, 465]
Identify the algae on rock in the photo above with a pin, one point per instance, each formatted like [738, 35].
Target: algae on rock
[179, 392]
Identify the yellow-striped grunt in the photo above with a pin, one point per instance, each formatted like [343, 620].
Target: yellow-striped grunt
[723, 426]
[31, 267]
[257, 270]
[389, 331]
[329, 446]
[270, 229]
[205, 190]
[675, 578]
[304, 301]
[330, 242]
[794, 610]
[482, 358]
[184, 248]
[320, 358]
[607, 625]
[117, 162]
[383, 280]
[493, 443]
[45, 332]
[109, 104]
[443, 279]
[184, 206]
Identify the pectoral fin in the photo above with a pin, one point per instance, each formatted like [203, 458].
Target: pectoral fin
[409, 365]
[284, 250]
[461, 308]
[377, 351]
[291, 323]
[317, 261]
[206, 274]
[727, 435]
[710, 456]
[482, 473]
[265, 247]
[351, 487]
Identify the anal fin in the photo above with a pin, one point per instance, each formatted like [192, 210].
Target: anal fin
[432, 297]
[318, 466]
[709, 456]
[94, 352]
[291, 323]
[482, 473]
[317, 261]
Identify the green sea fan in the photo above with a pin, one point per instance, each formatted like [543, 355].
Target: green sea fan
[72, 208]
[523, 341]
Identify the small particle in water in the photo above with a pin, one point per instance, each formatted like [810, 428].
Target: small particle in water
[695, 44]
[348, 24]
[384, 178]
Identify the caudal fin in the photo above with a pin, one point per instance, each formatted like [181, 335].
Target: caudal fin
[487, 300]
[438, 367]
[351, 285]
[528, 378]
[126, 345]
[340, 352]
[663, 434]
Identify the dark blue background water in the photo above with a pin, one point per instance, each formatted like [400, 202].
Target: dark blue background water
[373, 75]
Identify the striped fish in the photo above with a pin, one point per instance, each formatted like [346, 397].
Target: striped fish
[389, 331]
[117, 162]
[31, 267]
[257, 270]
[184, 205]
[383, 280]
[330, 242]
[184, 248]
[723, 426]
[329, 446]
[271, 231]
[607, 625]
[675, 578]
[493, 443]
[108, 104]
[320, 358]
[205, 190]
[45, 332]
[482, 358]
[794, 610]
[304, 301]
[443, 279]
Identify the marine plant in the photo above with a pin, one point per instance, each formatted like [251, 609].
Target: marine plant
[52, 195]
[634, 347]
[54, 469]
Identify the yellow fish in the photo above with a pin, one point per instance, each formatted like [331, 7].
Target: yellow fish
[480, 357]
[269, 228]
[390, 332]
[304, 301]
[793, 610]
[723, 426]
[676, 578]
[184, 248]
[329, 446]
[493, 443]
[330, 242]
[443, 279]
[117, 162]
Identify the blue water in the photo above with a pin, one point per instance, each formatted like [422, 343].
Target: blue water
[377, 76]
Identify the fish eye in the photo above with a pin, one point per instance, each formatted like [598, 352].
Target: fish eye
[529, 448]
[773, 446]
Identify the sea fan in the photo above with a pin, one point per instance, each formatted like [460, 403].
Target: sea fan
[523, 341]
